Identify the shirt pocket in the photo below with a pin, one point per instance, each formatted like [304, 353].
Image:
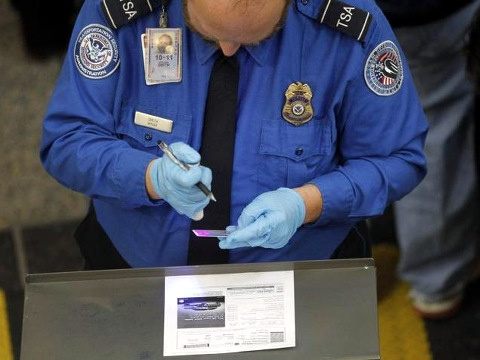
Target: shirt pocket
[293, 155]
[146, 138]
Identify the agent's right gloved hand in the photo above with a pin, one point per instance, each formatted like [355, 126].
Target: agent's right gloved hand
[177, 186]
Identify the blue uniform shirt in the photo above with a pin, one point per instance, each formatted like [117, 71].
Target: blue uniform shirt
[362, 148]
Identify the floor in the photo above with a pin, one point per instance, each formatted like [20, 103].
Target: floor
[31, 250]
[28, 195]
[37, 215]
[403, 336]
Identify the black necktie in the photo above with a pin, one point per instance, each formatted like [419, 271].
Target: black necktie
[218, 139]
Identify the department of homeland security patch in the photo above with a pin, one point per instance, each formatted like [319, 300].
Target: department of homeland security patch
[96, 52]
[384, 69]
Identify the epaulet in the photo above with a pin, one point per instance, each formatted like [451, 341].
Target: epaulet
[345, 18]
[122, 12]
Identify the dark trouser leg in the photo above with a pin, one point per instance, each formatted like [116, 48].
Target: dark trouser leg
[97, 249]
[355, 245]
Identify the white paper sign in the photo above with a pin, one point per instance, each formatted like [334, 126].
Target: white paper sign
[223, 313]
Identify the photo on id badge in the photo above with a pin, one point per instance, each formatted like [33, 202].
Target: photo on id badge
[164, 55]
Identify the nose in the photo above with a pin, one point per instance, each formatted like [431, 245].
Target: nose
[229, 48]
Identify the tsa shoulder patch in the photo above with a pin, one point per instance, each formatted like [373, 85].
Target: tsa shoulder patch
[345, 18]
[384, 70]
[96, 52]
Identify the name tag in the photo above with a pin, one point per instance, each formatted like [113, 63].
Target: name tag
[153, 122]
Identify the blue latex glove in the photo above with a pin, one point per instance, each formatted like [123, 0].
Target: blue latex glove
[269, 221]
[177, 186]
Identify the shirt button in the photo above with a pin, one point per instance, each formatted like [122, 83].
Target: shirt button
[298, 151]
[148, 136]
[304, 2]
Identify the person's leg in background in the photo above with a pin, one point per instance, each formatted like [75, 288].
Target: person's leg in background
[473, 67]
[436, 224]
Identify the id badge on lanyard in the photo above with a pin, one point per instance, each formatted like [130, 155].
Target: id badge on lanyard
[162, 52]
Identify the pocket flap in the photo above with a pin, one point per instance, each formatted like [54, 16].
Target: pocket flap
[281, 138]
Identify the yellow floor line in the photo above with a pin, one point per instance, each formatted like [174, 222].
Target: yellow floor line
[402, 332]
[5, 342]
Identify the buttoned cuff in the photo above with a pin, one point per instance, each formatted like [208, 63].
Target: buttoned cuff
[129, 178]
[338, 196]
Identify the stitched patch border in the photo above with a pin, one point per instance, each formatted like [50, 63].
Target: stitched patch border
[96, 52]
[384, 69]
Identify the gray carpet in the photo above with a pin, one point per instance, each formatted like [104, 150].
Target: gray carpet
[40, 209]
[28, 195]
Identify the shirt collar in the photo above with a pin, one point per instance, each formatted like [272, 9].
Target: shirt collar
[310, 8]
[204, 49]
[261, 51]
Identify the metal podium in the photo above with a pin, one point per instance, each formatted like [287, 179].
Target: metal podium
[119, 314]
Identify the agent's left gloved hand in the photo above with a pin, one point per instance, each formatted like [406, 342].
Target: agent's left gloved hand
[269, 221]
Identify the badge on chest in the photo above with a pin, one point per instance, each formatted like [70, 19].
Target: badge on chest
[298, 107]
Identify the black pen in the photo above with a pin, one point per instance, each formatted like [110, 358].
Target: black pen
[166, 149]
